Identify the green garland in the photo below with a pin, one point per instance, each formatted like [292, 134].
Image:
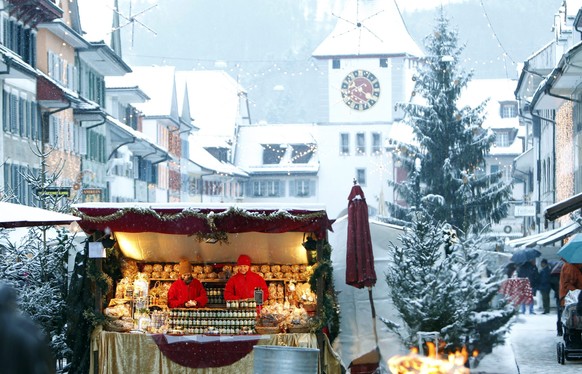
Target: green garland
[210, 217]
[330, 311]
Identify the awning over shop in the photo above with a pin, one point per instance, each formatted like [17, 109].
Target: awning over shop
[193, 219]
[563, 207]
[545, 238]
[269, 233]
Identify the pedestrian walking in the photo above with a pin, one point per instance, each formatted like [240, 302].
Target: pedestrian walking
[544, 285]
[23, 346]
[529, 270]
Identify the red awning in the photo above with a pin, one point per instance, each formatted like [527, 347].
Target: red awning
[190, 219]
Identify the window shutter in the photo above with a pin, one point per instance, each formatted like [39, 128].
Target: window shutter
[21, 117]
[292, 188]
[13, 113]
[5, 111]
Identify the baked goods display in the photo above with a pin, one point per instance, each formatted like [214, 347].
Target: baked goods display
[290, 306]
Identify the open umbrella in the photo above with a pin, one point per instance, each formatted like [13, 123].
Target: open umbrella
[524, 255]
[18, 215]
[572, 251]
[360, 270]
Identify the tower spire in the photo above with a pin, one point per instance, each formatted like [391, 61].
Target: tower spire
[116, 34]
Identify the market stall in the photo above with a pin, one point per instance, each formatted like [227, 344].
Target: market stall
[153, 238]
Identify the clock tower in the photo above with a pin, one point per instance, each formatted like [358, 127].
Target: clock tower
[369, 59]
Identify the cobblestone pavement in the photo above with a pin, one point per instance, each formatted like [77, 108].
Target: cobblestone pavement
[530, 349]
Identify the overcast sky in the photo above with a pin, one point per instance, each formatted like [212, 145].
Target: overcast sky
[96, 15]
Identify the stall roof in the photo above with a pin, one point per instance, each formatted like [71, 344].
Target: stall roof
[196, 218]
[170, 231]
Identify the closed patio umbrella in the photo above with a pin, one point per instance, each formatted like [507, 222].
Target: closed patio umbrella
[360, 270]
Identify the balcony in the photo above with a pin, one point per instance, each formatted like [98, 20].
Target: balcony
[33, 12]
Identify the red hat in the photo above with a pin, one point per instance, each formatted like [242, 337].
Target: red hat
[243, 260]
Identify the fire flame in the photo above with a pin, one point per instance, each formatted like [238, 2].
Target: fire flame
[414, 363]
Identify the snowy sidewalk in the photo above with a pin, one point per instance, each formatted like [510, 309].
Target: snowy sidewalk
[529, 349]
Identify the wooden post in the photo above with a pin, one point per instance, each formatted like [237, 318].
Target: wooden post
[320, 295]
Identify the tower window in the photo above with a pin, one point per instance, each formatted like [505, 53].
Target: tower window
[335, 64]
[383, 62]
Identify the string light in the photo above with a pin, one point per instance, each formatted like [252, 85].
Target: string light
[564, 175]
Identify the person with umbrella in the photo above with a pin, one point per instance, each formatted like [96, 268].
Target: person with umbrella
[529, 270]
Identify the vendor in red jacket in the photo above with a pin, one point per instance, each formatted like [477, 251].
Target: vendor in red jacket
[187, 292]
[242, 285]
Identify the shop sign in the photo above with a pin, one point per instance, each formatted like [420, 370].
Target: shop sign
[96, 250]
[525, 211]
[92, 191]
[54, 191]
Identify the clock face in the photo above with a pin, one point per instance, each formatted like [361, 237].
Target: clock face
[360, 90]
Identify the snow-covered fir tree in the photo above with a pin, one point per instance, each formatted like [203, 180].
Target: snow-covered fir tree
[441, 283]
[34, 261]
[446, 160]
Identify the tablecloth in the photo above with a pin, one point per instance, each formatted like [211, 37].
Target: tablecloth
[518, 290]
[138, 353]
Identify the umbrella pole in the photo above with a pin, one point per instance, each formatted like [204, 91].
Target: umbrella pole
[373, 314]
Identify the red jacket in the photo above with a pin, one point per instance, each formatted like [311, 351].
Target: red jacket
[241, 286]
[180, 292]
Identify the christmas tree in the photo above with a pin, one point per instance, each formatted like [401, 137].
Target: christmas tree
[34, 261]
[446, 162]
[440, 283]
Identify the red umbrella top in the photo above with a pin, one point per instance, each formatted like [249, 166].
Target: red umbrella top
[360, 270]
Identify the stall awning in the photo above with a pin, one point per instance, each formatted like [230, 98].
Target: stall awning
[563, 207]
[193, 219]
[206, 232]
[547, 237]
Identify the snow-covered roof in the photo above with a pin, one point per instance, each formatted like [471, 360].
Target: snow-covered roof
[157, 82]
[251, 138]
[214, 101]
[204, 159]
[497, 91]
[367, 28]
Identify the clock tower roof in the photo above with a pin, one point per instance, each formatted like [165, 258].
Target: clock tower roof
[369, 28]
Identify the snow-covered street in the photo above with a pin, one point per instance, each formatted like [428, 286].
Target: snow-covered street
[530, 349]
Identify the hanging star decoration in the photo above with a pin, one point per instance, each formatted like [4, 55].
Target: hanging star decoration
[359, 24]
[131, 19]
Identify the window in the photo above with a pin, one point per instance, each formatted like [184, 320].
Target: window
[272, 154]
[302, 153]
[383, 62]
[344, 144]
[502, 139]
[335, 64]
[267, 188]
[494, 169]
[508, 110]
[376, 143]
[303, 188]
[361, 176]
[360, 143]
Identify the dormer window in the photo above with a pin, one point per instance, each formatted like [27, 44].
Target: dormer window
[302, 153]
[508, 109]
[221, 154]
[273, 153]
